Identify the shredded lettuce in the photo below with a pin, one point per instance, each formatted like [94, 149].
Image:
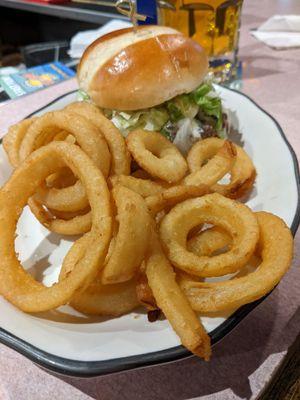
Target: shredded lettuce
[155, 119]
[181, 107]
[152, 119]
[188, 107]
[174, 112]
[201, 107]
[202, 90]
[209, 103]
[82, 95]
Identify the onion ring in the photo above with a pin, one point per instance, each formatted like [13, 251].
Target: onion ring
[209, 241]
[173, 303]
[71, 198]
[156, 155]
[144, 187]
[235, 218]
[16, 285]
[60, 136]
[99, 299]
[205, 243]
[69, 215]
[13, 139]
[120, 157]
[173, 195]
[216, 168]
[141, 174]
[55, 221]
[62, 178]
[276, 249]
[132, 238]
[242, 174]
[86, 134]
[68, 199]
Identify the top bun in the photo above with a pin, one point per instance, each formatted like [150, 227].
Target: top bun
[127, 70]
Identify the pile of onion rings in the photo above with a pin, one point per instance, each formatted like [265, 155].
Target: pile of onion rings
[60, 202]
[153, 224]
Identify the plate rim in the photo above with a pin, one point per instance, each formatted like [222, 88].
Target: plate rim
[87, 369]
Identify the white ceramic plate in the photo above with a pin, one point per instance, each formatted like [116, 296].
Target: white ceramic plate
[71, 343]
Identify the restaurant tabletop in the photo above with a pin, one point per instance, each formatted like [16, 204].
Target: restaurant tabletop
[246, 359]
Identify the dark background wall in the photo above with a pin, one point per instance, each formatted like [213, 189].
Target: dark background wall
[20, 28]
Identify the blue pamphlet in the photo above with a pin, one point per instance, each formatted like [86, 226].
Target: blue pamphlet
[35, 78]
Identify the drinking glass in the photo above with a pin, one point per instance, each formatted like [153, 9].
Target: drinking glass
[212, 23]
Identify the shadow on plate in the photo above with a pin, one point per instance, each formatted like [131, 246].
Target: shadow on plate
[68, 315]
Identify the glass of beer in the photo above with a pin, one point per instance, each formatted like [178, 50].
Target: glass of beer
[212, 23]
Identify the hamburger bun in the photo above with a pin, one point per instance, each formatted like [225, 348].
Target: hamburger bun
[127, 70]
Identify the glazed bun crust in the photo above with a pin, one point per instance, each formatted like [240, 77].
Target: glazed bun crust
[128, 70]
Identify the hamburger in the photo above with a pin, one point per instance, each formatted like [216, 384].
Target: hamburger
[153, 78]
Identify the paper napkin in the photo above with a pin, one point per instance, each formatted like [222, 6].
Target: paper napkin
[83, 39]
[280, 32]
